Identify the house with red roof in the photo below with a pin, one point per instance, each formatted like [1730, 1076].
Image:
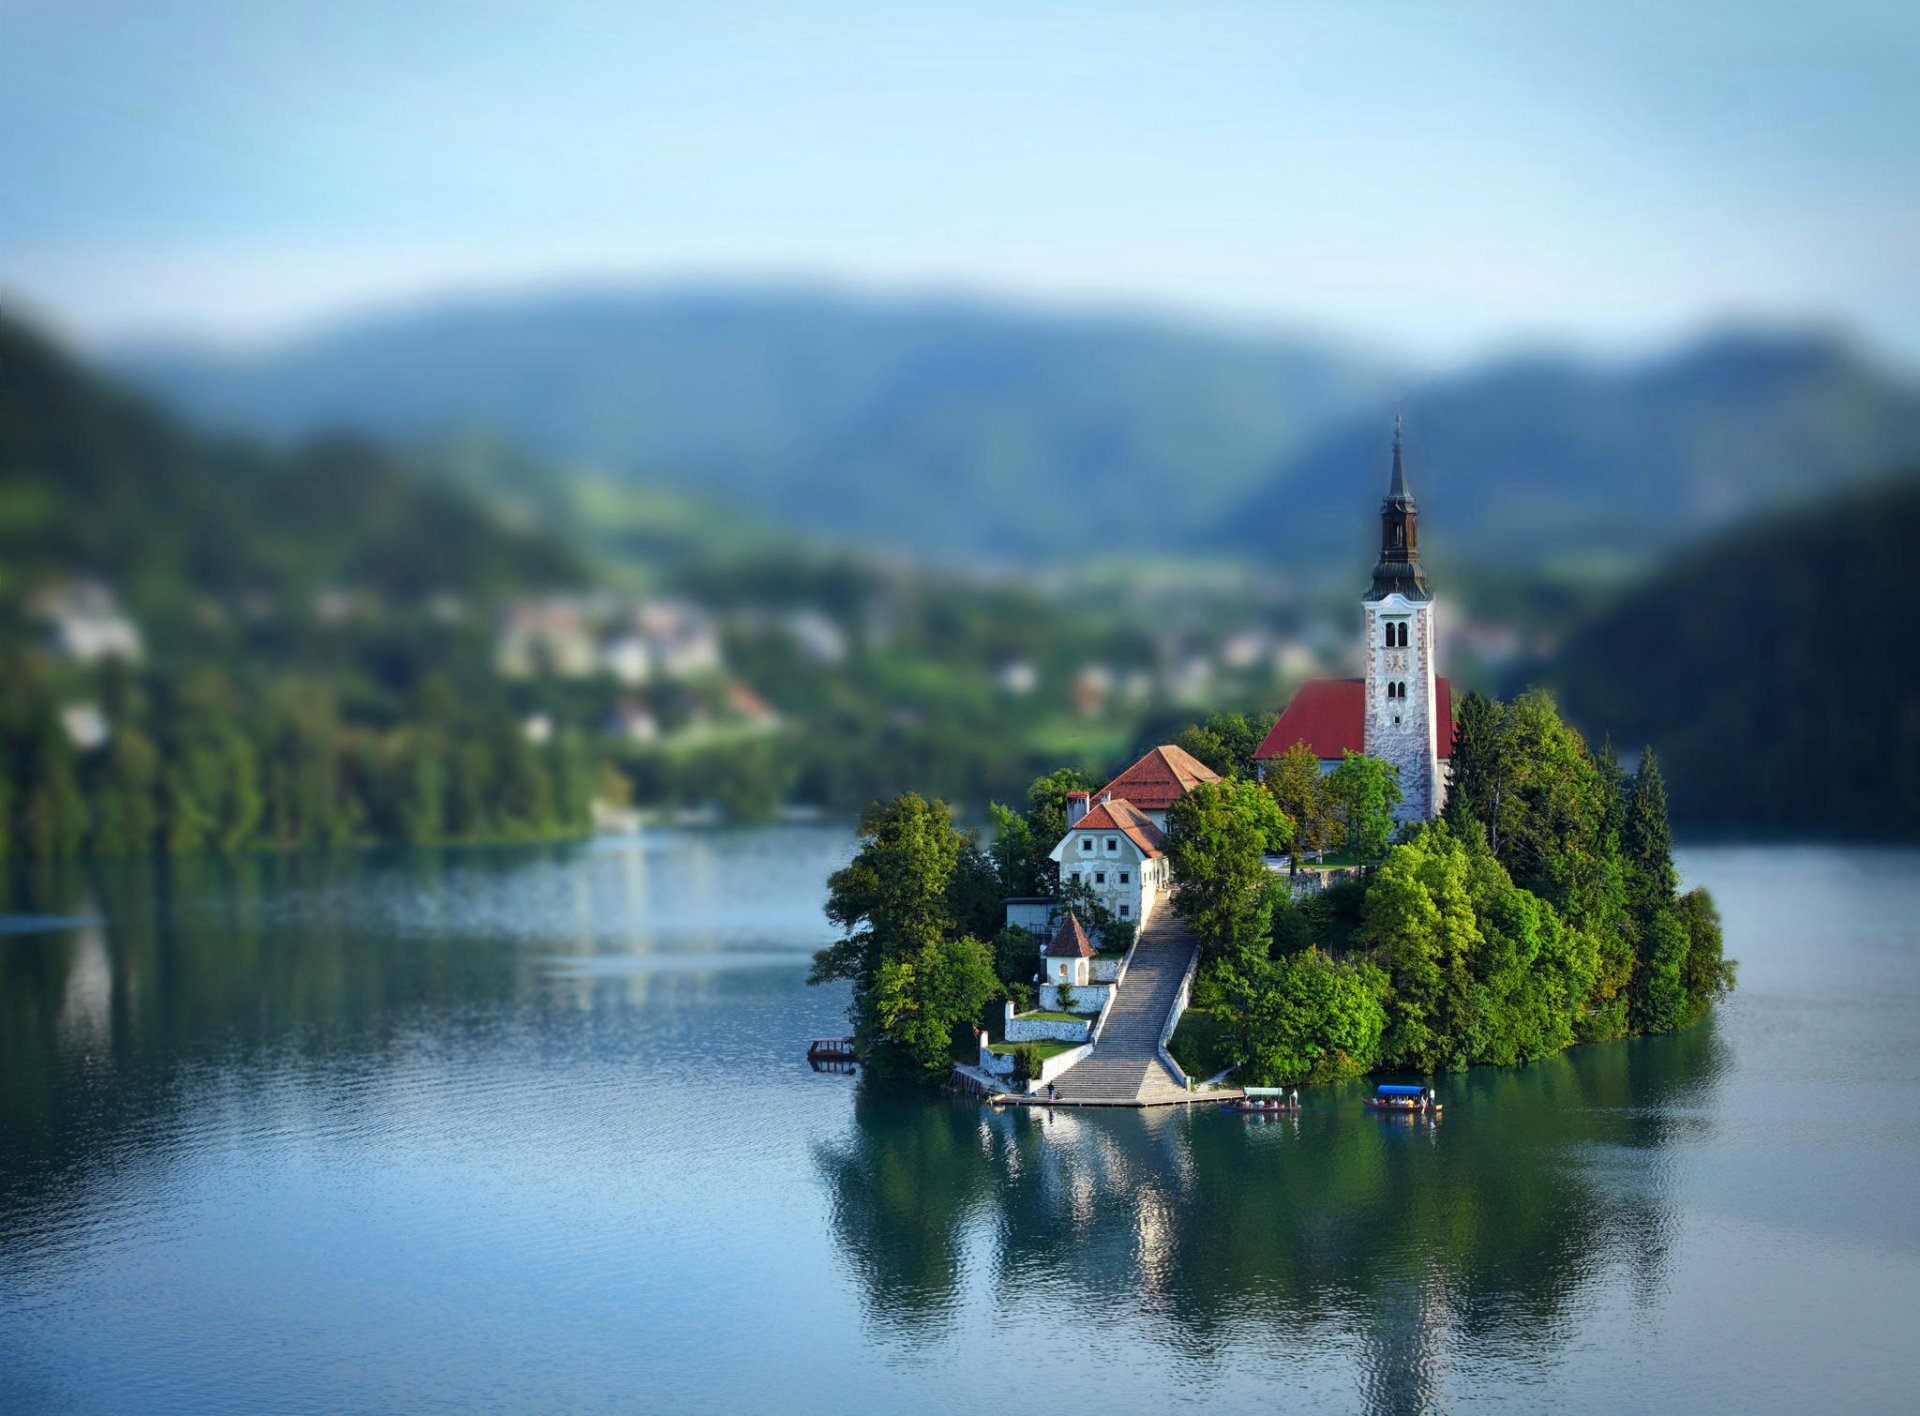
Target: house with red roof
[1116, 837]
[1399, 711]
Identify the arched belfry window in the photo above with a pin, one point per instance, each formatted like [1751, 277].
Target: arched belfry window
[1401, 630]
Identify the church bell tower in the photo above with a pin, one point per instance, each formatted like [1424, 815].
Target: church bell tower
[1400, 722]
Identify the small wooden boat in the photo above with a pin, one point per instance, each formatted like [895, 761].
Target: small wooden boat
[831, 1049]
[1397, 1100]
[1255, 1107]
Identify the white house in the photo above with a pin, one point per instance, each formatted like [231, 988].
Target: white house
[1117, 852]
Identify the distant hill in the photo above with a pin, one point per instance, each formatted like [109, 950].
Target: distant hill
[96, 481]
[933, 427]
[1543, 458]
[1770, 670]
[969, 431]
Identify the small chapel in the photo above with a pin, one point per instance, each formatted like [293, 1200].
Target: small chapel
[1399, 710]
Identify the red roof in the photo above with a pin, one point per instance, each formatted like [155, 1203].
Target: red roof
[1161, 778]
[1070, 941]
[1124, 816]
[1329, 716]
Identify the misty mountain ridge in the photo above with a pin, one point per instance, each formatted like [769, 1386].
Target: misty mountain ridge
[968, 431]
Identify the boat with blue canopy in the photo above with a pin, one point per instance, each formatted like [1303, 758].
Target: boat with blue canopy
[1403, 1099]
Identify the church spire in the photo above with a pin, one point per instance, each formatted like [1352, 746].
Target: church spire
[1397, 488]
[1398, 570]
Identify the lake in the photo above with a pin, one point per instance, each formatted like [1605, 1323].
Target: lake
[530, 1130]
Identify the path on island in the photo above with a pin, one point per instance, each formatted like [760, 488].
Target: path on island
[1125, 1067]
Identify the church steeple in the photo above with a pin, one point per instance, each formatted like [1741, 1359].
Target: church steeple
[1398, 570]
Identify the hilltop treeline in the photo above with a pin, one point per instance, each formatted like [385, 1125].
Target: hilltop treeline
[1542, 910]
[208, 763]
[1764, 669]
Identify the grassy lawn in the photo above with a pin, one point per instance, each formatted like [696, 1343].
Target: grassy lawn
[1199, 1043]
[1043, 1049]
[1053, 1016]
[1334, 860]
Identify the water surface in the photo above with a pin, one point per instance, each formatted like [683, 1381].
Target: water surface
[530, 1130]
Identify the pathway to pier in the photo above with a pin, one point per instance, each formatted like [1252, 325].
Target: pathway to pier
[1124, 1068]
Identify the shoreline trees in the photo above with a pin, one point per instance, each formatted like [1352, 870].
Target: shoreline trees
[1542, 910]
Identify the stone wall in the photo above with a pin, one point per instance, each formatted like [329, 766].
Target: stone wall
[1048, 1030]
[1105, 970]
[1087, 998]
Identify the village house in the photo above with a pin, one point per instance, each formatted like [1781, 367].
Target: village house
[1116, 838]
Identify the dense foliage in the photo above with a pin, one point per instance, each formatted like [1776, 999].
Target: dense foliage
[1542, 911]
[1761, 668]
[903, 904]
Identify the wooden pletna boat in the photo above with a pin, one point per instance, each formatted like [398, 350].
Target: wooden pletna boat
[831, 1049]
[1266, 1101]
[1395, 1099]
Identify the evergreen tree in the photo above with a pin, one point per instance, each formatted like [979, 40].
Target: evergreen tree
[1646, 844]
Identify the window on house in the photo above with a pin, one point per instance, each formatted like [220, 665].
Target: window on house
[1113, 844]
[1125, 878]
[1124, 911]
[1099, 877]
[1086, 843]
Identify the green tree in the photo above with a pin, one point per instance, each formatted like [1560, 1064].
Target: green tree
[1226, 742]
[1646, 844]
[918, 1001]
[1218, 835]
[893, 905]
[1366, 791]
[1709, 974]
[1306, 1018]
[1013, 854]
[1047, 822]
[1299, 788]
[126, 816]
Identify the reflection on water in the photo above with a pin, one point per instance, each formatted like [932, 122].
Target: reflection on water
[1394, 1238]
[533, 1128]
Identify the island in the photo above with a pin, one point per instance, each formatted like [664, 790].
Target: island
[1375, 879]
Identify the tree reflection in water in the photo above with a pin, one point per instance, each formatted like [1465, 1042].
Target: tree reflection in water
[1402, 1243]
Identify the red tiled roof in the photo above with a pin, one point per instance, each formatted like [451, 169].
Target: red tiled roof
[1329, 716]
[1070, 941]
[1125, 817]
[1161, 778]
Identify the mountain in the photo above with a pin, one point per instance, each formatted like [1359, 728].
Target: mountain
[97, 482]
[969, 431]
[1541, 458]
[960, 430]
[1768, 667]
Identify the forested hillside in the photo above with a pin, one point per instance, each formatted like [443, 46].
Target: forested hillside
[945, 427]
[972, 432]
[1771, 671]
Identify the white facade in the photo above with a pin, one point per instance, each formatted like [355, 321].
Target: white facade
[1121, 876]
[1401, 711]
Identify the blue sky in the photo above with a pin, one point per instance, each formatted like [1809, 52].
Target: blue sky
[1435, 176]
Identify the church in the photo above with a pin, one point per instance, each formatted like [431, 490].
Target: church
[1398, 711]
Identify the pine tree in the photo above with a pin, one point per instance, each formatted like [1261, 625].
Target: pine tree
[1646, 844]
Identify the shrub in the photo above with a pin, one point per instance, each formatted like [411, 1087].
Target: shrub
[1026, 1062]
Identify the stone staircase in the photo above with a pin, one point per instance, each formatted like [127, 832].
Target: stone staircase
[1124, 1068]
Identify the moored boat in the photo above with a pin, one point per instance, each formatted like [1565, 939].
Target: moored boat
[1266, 1101]
[1400, 1100]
